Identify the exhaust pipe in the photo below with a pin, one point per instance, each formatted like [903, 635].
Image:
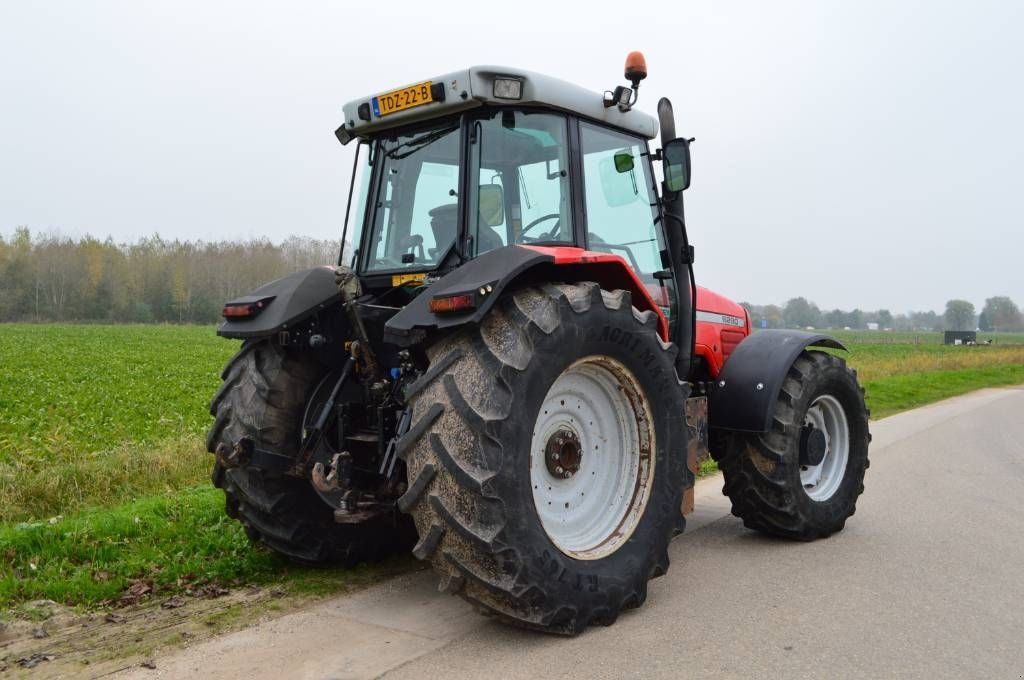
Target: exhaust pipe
[679, 254]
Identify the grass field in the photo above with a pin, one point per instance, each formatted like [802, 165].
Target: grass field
[103, 473]
[916, 337]
[898, 376]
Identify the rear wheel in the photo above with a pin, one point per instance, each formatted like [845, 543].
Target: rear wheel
[802, 478]
[547, 457]
[263, 398]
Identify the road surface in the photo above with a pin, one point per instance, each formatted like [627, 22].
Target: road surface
[927, 580]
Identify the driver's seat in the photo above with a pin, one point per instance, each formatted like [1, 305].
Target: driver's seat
[444, 222]
[488, 239]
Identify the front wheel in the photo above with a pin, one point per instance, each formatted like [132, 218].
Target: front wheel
[802, 478]
[547, 457]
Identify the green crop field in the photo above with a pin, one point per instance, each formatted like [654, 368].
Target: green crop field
[104, 475]
[103, 470]
[99, 414]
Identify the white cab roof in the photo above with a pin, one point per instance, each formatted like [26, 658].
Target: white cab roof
[474, 87]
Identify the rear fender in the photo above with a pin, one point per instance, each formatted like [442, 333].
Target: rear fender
[486, 276]
[746, 390]
[289, 301]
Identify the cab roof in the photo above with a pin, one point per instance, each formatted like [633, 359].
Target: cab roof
[474, 87]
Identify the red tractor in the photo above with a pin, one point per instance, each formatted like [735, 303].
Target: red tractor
[512, 371]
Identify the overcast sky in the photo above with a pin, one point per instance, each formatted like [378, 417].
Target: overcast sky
[859, 153]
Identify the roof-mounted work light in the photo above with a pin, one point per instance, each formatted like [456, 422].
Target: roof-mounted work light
[508, 88]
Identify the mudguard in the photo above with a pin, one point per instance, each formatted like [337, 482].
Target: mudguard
[493, 269]
[485, 277]
[749, 384]
[291, 300]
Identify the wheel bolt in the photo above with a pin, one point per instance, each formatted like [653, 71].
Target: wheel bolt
[555, 456]
[559, 470]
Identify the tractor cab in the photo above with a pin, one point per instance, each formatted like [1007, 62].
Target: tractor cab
[467, 163]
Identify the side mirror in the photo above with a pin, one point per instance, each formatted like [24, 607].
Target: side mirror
[675, 159]
[623, 161]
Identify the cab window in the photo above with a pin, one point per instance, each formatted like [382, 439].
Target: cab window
[621, 204]
[415, 210]
[619, 197]
[517, 165]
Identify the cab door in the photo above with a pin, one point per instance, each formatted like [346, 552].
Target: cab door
[620, 207]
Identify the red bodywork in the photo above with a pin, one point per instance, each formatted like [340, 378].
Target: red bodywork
[610, 272]
[715, 338]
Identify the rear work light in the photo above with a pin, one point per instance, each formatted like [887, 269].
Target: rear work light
[452, 303]
[508, 88]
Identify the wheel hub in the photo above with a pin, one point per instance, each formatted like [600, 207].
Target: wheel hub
[824, 448]
[590, 506]
[563, 453]
[812, 445]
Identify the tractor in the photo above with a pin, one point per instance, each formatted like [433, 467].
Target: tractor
[511, 370]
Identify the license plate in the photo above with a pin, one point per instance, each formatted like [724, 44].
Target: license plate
[405, 98]
[402, 279]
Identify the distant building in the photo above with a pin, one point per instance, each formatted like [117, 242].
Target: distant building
[872, 326]
[961, 337]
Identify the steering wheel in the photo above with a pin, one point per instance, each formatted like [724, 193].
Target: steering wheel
[542, 218]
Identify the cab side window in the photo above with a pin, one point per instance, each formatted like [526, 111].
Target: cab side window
[619, 198]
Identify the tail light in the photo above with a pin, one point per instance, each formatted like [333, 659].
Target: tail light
[452, 303]
[245, 308]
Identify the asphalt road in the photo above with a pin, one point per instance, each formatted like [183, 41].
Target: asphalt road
[927, 580]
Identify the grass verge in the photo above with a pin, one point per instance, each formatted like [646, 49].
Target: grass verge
[155, 547]
[886, 396]
[33, 489]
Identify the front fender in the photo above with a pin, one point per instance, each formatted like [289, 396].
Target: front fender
[749, 384]
[292, 299]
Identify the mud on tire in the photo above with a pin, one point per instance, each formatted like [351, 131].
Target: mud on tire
[468, 453]
[263, 397]
[763, 471]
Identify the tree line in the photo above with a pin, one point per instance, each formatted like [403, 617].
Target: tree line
[999, 313]
[50, 277]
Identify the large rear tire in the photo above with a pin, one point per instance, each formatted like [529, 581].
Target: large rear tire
[547, 457]
[770, 478]
[263, 398]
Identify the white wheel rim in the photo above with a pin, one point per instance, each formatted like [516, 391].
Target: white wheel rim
[821, 481]
[597, 405]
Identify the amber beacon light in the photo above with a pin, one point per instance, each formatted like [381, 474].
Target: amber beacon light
[636, 68]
